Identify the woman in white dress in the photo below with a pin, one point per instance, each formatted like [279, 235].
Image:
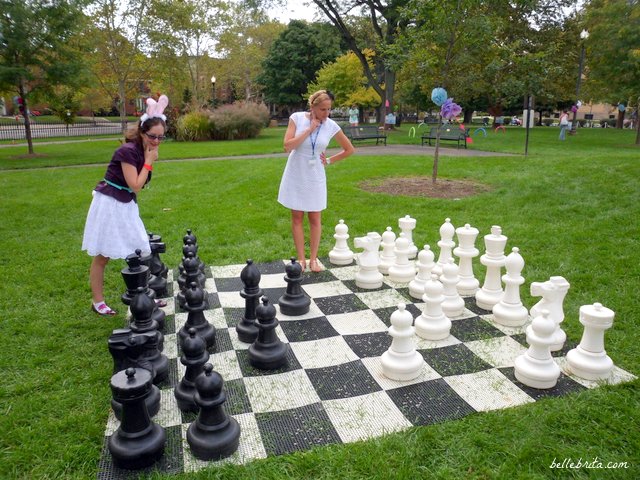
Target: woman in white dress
[303, 187]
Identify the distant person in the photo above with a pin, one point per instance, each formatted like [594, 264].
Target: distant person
[499, 121]
[113, 228]
[564, 124]
[303, 187]
[354, 115]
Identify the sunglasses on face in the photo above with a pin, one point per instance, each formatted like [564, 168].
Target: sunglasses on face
[155, 137]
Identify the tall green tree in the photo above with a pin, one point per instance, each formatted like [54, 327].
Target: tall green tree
[294, 59]
[613, 52]
[38, 48]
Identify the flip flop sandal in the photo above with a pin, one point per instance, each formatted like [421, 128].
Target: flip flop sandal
[161, 303]
[103, 310]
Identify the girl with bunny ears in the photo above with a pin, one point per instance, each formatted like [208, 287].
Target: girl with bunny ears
[114, 228]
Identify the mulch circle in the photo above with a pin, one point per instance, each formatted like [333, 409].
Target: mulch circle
[424, 187]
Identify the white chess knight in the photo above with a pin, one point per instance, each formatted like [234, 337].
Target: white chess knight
[401, 361]
[446, 244]
[466, 252]
[589, 359]
[407, 225]
[433, 324]
[536, 367]
[510, 311]
[341, 254]
[387, 256]
[491, 291]
[453, 304]
[368, 276]
[424, 265]
[552, 292]
[403, 270]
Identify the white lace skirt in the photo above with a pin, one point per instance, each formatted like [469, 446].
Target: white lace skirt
[114, 229]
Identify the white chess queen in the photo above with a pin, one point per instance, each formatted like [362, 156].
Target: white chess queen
[303, 187]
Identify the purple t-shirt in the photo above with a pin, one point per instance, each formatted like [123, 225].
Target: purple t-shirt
[132, 153]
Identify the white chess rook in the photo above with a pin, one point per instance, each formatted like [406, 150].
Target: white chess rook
[341, 254]
[552, 292]
[446, 244]
[387, 256]
[589, 359]
[401, 361]
[403, 270]
[453, 304]
[424, 265]
[466, 252]
[536, 367]
[510, 311]
[407, 225]
[491, 291]
[433, 324]
[368, 275]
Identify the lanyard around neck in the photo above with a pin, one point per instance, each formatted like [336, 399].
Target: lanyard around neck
[314, 140]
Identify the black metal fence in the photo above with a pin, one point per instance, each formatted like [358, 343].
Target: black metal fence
[43, 129]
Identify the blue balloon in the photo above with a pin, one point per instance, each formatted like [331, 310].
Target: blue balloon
[621, 107]
[438, 96]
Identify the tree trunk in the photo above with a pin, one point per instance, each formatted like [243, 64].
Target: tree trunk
[620, 120]
[122, 107]
[27, 120]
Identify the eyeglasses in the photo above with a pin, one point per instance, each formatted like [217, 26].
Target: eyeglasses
[155, 137]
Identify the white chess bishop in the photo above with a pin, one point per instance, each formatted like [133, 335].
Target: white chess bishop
[433, 324]
[424, 265]
[401, 361]
[491, 291]
[466, 252]
[403, 270]
[446, 244]
[536, 367]
[341, 254]
[510, 311]
[368, 276]
[553, 293]
[387, 256]
[407, 225]
[589, 359]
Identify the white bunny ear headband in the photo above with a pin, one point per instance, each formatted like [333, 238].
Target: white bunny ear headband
[155, 109]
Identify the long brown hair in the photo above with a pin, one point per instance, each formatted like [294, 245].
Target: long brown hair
[134, 132]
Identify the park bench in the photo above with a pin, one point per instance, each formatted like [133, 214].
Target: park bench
[453, 133]
[365, 132]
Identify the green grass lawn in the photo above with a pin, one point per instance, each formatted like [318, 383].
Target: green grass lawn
[571, 207]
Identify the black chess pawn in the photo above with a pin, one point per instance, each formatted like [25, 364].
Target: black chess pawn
[137, 275]
[141, 310]
[194, 356]
[189, 237]
[138, 442]
[195, 304]
[214, 434]
[294, 302]
[250, 276]
[191, 275]
[127, 350]
[268, 352]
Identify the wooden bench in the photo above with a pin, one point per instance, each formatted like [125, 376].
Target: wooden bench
[453, 133]
[365, 132]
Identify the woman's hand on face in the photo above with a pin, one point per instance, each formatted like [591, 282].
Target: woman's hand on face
[150, 154]
[314, 121]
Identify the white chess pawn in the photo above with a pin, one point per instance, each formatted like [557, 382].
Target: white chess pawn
[388, 256]
[368, 275]
[536, 368]
[341, 254]
[466, 252]
[589, 359]
[433, 324]
[491, 291]
[552, 292]
[446, 244]
[401, 361]
[453, 304]
[407, 225]
[403, 270]
[509, 310]
[424, 264]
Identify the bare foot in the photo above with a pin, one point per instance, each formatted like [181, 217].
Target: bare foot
[303, 264]
[314, 266]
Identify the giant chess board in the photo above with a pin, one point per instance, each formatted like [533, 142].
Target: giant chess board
[333, 389]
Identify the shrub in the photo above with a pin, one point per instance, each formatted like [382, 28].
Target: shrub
[193, 126]
[238, 121]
